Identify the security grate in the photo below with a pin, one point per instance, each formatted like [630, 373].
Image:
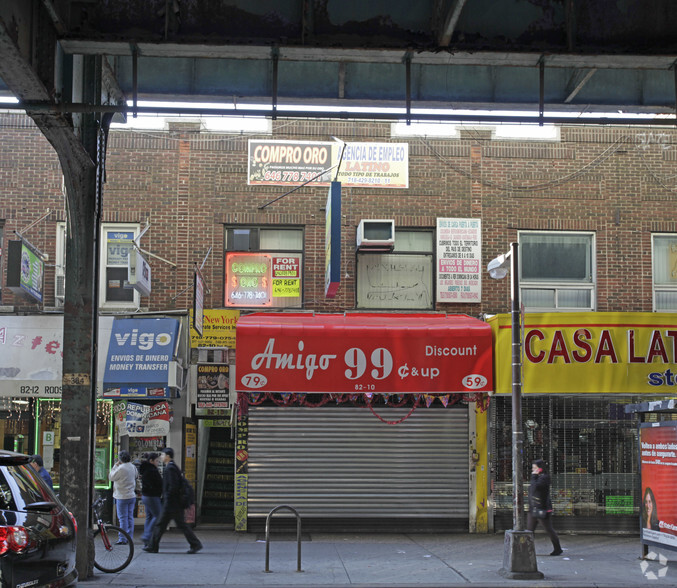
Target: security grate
[590, 445]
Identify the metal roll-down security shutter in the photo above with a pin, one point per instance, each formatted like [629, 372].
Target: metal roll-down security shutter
[343, 462]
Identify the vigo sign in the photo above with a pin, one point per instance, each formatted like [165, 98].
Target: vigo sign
[363, 353]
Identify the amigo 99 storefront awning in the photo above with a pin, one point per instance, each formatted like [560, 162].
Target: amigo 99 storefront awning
[363, 353]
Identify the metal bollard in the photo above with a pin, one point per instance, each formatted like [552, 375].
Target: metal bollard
[298, 536]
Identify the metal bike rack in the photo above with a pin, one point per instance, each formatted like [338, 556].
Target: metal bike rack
[298, 536]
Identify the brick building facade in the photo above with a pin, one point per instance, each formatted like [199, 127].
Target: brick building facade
[615, 182]
[614, 186]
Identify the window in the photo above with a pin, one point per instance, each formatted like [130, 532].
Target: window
[664, 250]
[114, 289]
[264, 267]
[557, 271]
[60, 267]
[402, 279]
[48, 418]
[114, 284]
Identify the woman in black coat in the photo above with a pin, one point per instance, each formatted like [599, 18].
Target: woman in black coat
[540, 506]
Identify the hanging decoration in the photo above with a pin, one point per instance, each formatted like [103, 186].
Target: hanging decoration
[254, 398]
[397, 422]
[370, 400]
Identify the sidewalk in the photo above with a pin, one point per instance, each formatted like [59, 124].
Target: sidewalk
[390, 560]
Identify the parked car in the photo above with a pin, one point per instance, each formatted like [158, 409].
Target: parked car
[37, 533]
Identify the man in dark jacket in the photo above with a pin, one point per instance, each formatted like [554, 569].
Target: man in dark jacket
[540, 505]
[39, 466]
[172, 507]
[151, 493]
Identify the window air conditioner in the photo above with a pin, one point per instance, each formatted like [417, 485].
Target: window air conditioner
[175, 375]
[376, 235]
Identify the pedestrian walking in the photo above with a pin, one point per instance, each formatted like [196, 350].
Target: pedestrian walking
[540, 505]
[39, 466]
[172, 507]
[123, 475]
[151, 493]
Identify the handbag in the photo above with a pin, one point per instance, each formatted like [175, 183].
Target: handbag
[537, 509]
[539, 513]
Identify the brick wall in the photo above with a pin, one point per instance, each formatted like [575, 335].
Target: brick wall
[620, 183]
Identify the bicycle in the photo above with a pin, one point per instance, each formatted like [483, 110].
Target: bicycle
[110, 555]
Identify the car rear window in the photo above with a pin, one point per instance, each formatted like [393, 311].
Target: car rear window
[21, 485]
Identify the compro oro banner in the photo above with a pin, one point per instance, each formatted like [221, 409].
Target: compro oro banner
[356, 353]
[367, 165]
[592, 352]
[658, 509]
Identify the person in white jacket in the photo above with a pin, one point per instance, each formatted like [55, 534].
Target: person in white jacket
[123, 475]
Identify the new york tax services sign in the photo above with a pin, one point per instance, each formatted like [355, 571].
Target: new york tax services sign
[363, 353]
[593, 352]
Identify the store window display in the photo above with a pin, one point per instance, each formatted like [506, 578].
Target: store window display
[48, 439]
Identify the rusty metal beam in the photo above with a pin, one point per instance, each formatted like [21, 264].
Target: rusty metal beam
[578, 85]
[280, 112]
[450, 22]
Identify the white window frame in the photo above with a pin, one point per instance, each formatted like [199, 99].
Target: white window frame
[116, 304]
[60, 269]
[60, 265]
[657, 288]
[429, 255]
[560, 287]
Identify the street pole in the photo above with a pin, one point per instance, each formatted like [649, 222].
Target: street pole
[519, 551]
[517, 433]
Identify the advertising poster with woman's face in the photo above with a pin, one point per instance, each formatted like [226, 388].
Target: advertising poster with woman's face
[658, 508]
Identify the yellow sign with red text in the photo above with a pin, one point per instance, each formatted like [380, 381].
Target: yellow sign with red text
[595, 353]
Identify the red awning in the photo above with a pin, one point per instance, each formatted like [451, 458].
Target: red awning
[354, 353]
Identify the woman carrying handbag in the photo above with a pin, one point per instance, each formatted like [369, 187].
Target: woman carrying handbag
[540, 506]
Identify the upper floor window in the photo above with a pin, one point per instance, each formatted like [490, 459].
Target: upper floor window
[115, 292]
[264, 267]
[664, 250]
[557, 271]
[402, 279]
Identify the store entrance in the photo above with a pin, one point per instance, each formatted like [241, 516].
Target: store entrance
[219, 476]
[590, 444]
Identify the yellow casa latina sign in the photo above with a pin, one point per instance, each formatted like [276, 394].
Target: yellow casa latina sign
[595, 352]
